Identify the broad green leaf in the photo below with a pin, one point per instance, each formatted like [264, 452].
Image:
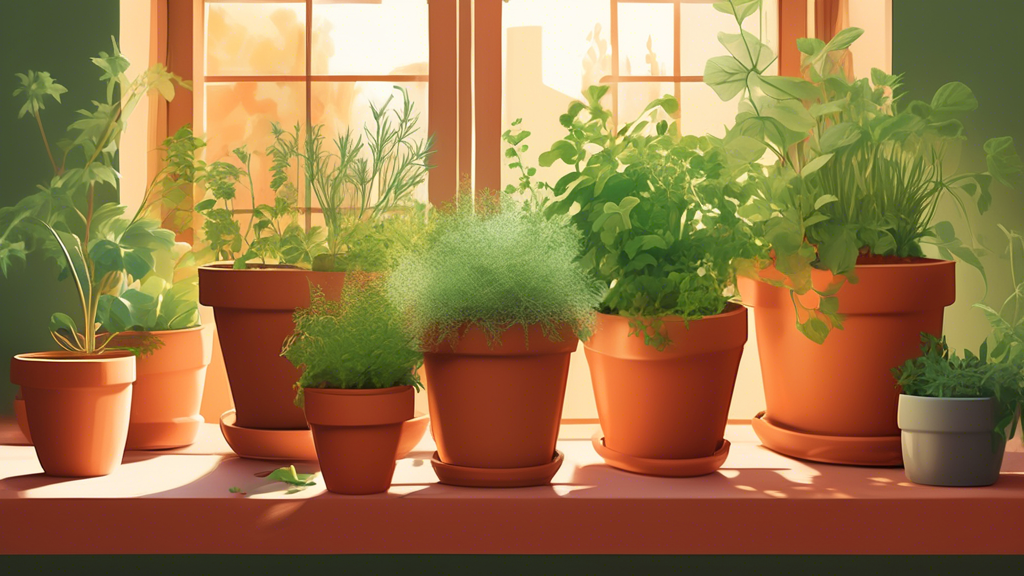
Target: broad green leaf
[954, 98]
[838, 249]
[814, 329]
[1003, 162]
[831, 107]
[881, 78]
[744, 149]
[115, 314]
[783, 87]
[812, 167]
[748, 50]
[840, 136]
[843, 39]
[823, 200]
[290, 476]
[741, 9]
[790, 113]
[726, 76]
[107, 257]
[60, 321]
[810, 46]
[206, 205]
[561, 150]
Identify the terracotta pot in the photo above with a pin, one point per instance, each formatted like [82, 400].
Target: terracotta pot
[500, 406]
[20, 417]
[78, 408]
[253, 311]
[949, 441]
[168, 388]
[845, 387]
[669, 404]
[356, 433]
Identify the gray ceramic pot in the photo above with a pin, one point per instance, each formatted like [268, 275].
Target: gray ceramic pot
[948, 441]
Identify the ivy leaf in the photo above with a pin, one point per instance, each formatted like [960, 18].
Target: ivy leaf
[953, 98]
[1003, 162]
[726, 76]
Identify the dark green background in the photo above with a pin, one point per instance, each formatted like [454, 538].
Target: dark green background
[59, 37]
[979, 44]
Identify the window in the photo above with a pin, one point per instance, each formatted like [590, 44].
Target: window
[306, 62]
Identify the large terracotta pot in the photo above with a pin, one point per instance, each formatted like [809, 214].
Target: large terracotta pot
[844, 387]
[668, 404]
[78, 408]
[357, 433]
[253, 311]
[168, 388]
[498, 406]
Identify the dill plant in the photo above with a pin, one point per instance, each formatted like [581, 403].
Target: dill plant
[498, 266]
[355, 342]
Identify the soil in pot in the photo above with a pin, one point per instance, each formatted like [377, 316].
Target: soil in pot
[253, 310]
[78, 409]
[844, 387]
[670, 404]
[357, 434]
[498, 406]
[950, 441]
[168, 389]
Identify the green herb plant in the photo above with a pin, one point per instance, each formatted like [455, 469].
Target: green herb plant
[72, 219]
[493, 263]
[658, 213]
[996, 371]
[856, 176]
[356, 342]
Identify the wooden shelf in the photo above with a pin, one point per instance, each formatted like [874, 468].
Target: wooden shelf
[759, 503]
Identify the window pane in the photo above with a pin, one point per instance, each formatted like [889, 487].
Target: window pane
[255, 39]
[645, 39]
[702, 111]
[386, 37]
[240, 113]
[701, 23]
[635, 96]
[552, 50]
[341, 105]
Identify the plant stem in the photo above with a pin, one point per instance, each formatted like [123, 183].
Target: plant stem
[46, 144]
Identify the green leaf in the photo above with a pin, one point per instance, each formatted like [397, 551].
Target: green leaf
[290, 476]
[741, 9]
[783, 87]
[810, 46]
[838, 249]
[831, 107]
[953, 98]
[561, 150]
[790, 113]
[843, 39]
[881, 78]
[747, 49]
[744, 149]
[115, 314]
[35, 86]
[1003, 162]
[814, 329]
[107, 257]
[60, 321]
[812, 167]
[840, 136]
[726, 76]
[823, 200]
[206, 205]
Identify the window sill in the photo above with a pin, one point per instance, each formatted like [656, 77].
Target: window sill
[759, 503]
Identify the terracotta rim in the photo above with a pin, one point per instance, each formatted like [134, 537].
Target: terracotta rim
[874, 451]
[64, 370]
[471, 340]
[374, 407]
[731, 309]
[222, 286]
[496, 477]
[259, 444]
[682, 468]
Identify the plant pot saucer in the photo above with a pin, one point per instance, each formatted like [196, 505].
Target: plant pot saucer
[682, 468]
[880, 451]
[176, 433]
[297, 445]
[260, 444]
[496, 477]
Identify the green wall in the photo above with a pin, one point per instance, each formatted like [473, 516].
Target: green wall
[979, 44]
[59, 37]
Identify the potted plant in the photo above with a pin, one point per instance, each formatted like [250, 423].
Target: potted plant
[497, 303]
[956, 413]
[78, 400]
[841, 217]
[359, 374]
[658, 214]
[360, 188]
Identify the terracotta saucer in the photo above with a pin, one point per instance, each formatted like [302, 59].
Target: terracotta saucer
[658, 467]
[261, 444]
[496, 477]
[849, 450]
[298, 444]
[412, 432]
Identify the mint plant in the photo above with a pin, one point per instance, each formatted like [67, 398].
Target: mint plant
[658, 212]
[93, 241]
[856, 175]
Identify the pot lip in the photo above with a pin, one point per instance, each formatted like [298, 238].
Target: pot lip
[228, 267]
[63, 356]
[731, 309]
[358, 391]
[945, 398]
[919, 263]
[196, 328]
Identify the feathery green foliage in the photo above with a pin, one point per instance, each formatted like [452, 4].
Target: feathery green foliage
[498, 267]
[356, 342]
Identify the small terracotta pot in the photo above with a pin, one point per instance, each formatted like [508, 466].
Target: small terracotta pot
[500, 406]
[669, 404]
[20, 417]
[78, 408]
[168, 389]
[844, 387]
[356, 433]
[253, 310]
